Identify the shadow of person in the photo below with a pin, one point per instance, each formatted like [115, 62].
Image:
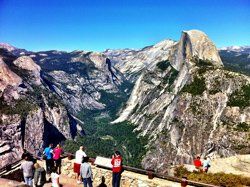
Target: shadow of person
[102, 183]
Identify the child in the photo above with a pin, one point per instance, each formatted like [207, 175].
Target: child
[54, 178]
[206, 164]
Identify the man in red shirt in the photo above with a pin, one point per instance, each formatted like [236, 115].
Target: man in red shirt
[117, 169]
[197, 163]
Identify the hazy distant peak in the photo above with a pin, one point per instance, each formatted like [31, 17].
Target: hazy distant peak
[245, 49]
[7, 46]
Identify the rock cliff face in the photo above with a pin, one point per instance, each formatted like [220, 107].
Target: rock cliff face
[132, 62]
[186, 105]
[46, 90]
[8, 78]
[30, 116]
[80, 78]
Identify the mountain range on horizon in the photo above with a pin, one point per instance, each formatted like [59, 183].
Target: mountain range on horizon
[163, 103]
[235, 48]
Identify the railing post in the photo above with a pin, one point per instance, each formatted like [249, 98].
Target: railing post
[150, 174]
[184, 181]
[8, 167]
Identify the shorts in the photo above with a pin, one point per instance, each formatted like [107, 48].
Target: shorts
[77, 168]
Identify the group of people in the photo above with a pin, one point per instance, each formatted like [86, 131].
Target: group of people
[202, 166]
[35, 175]
[84, 173]
[53, 158]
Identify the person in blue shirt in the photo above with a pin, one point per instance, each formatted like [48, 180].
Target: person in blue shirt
[48, 154]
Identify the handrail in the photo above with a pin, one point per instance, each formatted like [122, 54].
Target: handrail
[8, 167]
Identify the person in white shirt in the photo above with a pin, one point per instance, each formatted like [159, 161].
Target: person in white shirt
[78, 161]
[55, 178]
[27, 167]
[206, 164]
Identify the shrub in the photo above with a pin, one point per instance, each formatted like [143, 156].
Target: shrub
[21, 107]
[228, 180]
[197, 87]
[203, 65]
[241, 97]
[243, 127]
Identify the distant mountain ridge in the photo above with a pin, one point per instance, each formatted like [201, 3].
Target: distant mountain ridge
[240, 49]
[236, 58]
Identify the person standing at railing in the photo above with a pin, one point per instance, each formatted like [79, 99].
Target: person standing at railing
[57, 152]
[39, 176]
[198, 163]
[117, 168]
[27, 167]
[206, 164]
[77, 164]
[86, 173]
[48, 153]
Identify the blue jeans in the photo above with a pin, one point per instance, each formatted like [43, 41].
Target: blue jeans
[28, 181]
[116, 179]
[87, 181]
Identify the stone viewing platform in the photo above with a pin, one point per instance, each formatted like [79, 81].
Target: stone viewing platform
[129, 178]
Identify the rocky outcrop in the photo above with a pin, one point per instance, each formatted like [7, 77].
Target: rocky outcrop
[26, 63]
[45, 97]
[30, 116]
[10, 139]
[182, 104]
[81, 78]
[132, 62]
[8, 77]
[33, 132]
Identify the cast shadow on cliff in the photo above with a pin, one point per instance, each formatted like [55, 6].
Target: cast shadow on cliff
[51, 134]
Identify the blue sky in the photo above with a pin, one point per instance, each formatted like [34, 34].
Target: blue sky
[101, 24]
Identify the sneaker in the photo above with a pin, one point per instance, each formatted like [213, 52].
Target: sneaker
[79, 182]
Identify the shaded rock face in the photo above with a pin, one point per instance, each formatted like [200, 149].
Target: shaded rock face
[183, 104]
[34, 127]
